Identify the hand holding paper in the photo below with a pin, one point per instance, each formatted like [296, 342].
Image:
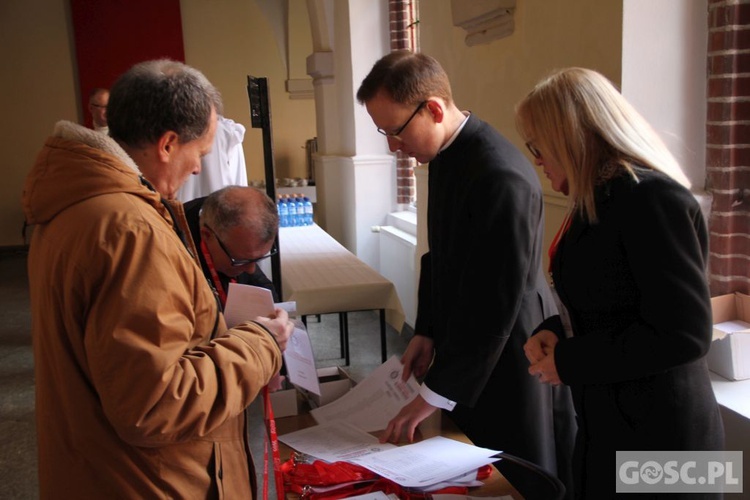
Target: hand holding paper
[246, 302]
[374, 401]
[279, 325]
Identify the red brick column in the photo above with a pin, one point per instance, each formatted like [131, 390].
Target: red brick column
[404, 35]
[728, 145]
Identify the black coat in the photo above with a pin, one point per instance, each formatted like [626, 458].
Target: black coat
[482, 292]
[635, 287]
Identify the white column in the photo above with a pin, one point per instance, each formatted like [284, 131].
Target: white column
[355, 172]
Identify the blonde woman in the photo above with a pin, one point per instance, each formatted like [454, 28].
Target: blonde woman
[628, 265]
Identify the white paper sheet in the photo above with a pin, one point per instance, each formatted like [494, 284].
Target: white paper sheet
[300, 360]
[422, 464]
[453, 496]
[733, 326]
[334, 441]
[373, 402]
[246, 302]
[431, 461]
[377, 495]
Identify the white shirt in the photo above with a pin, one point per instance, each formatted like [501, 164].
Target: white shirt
[223, 166]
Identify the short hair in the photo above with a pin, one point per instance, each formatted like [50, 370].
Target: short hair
[579, 118]
[407, 77]
[96, 91]
[158, 96]
[243, 206]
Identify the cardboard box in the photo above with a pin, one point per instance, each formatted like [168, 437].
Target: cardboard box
[334, 383]
[285, 403]
[729, 355]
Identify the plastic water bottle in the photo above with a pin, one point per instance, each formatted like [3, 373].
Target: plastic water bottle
[292, 208]
[283, 212]
[308, 211]
[301, 221]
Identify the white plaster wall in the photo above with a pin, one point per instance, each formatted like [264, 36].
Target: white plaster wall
[664, 74]
[357, 174]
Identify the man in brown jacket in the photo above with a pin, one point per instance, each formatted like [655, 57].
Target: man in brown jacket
[140, 387]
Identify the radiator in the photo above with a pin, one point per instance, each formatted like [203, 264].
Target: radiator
[398, 265]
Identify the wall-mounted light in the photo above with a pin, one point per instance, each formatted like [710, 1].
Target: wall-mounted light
[484, 20]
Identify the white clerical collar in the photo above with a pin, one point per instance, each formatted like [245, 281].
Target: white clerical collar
[455, 134]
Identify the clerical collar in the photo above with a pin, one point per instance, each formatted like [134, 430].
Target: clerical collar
[455, 134]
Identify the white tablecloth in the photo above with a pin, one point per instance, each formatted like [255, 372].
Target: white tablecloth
[322, 276]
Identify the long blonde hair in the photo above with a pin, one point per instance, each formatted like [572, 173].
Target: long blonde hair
[580, 119]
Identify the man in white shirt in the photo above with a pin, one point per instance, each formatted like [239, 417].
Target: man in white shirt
[223, 166]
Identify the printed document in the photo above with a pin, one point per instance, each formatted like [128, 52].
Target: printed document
[373, 402]
[420, 465]
[246, 302]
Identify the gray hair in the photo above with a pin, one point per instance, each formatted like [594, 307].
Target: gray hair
[241, 206]
[155, 97]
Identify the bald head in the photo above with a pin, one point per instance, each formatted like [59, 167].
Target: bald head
[239, 206]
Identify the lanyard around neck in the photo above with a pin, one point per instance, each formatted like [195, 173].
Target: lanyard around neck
[215, 275]
[556, 240]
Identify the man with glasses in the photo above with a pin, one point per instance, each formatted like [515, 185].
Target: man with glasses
[481, 288]
[234, 228]
[98, 99]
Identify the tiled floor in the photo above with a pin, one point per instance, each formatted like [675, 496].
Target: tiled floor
[18, 479]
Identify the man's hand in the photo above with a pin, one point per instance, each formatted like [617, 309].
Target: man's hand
[405, 423]
[417, 357]
[279, 325]
[276, 382]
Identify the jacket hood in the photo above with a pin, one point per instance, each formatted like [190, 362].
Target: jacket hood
[77, 163]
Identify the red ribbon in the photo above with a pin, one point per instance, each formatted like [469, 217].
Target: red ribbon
[215, 275]
[556, 240]
[274, 438]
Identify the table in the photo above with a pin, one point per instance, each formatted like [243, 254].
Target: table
[323, 277]
[437, 424]
[733, 397]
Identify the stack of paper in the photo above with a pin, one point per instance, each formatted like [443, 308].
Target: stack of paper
[430, 464]
[343, 434]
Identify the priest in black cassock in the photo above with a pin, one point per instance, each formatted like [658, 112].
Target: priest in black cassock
[482, 289]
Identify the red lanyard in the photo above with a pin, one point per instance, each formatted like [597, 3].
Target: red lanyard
[215, 275]
[556, 240]
[274, 438]
[270, 421]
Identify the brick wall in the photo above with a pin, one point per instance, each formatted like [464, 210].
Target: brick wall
[404, 35]
[728, 145]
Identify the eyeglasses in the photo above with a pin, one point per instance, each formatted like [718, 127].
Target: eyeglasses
[99, 105]
[242, 262]
[396, 134]
[534, 151]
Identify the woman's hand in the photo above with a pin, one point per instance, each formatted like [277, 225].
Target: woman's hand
[540, 351]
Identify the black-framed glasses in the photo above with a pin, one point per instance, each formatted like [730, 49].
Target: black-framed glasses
[396, 134]
[534, 151]
[242, 262]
